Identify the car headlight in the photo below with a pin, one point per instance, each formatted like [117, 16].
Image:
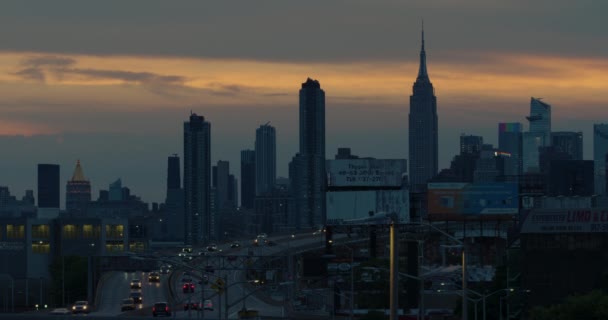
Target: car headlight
[73, 307]
[84, 307]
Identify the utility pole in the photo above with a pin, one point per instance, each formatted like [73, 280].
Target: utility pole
[394, 266]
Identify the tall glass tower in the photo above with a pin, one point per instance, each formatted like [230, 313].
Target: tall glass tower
[423, 128]
[265, 159]
[197, 181]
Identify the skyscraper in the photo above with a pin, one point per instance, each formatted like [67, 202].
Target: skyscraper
[48, 186]
[308, 166]
[510, 141]
[600, 150]
[197, 180]
[423, 128]
[568, 142]
[470, 144]
[265, 159]
[540, 119]
[222, 187]
[78, 192]
[247, 178]
[173, 173]
[174, 202]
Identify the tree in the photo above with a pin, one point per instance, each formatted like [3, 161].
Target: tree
[591, 306]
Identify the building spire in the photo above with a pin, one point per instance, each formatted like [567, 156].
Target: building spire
[422, 73]
[78, 174]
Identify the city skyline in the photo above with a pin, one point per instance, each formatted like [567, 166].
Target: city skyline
[106, 104]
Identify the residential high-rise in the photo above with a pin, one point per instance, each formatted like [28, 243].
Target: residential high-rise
[197, 180]
[531, 144]
[510, 141]
[247, 178]
[78, 192]
[48, 186]
[423, 128]
[600, 150]
[540, 119]
[308, 166]
[568, 142]
[265, 159]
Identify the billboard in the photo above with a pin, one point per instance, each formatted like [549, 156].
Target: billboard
[366, 172]
[591, 220]
[353, 205]
[459, 200]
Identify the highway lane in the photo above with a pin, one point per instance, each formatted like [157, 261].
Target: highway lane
[116, 287]
[236, 279]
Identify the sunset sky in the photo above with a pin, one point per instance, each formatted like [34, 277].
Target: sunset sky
[111, 82]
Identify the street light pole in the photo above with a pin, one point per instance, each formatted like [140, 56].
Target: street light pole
[394, 267]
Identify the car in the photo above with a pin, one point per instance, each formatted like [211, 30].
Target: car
[208, 305]
[262, 236]
[235, 245]
[127, 304]
[209, 269]
[186, 278]
[270, 243]
[161, 308]
[60, 311]
[205, 280]
[154, 277]
[192, 306]
[81, 307]
[212, 247]
[188, 287]
[136, 296]
[135, 284]
[165, 269]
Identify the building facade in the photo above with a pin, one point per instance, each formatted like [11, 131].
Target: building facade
[510, 141]
[540, 119]
[174, 202]
[247, 178]
[48, 190]
[197, 180]
[568, 142]
[600, 150]
[265, 159]
[78, 192]
[423, 129]
[309, 164]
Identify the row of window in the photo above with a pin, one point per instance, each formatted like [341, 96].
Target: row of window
[69, 231]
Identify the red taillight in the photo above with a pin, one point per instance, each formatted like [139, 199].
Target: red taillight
[167, 309]
[153, 309]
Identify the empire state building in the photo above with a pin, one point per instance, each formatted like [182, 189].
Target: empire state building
[423, 129]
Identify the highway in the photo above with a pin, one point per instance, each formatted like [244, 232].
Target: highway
[115, 286]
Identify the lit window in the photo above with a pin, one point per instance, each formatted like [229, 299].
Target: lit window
[41, 247]
[40, 231]
[15, 231]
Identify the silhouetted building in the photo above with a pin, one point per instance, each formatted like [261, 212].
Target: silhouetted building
[173, 173]
[568, 142]
[540, 119]
[197, 180]
[48, 186]
[115, 191]
[423, 128]
[222, 187]
[570, 178]
[247, 178]
[531, 144]
[463, 167]
[470, 144]
[173, 221]
[344, 153]
[510, 141]
[78, 192]
[11, 207]
[265, 159]
[549, 154]
[233, 191]
[272, 212]
[308, 166]
[600, 150]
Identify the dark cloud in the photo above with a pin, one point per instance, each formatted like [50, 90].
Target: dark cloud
[53, 61]
[32, 73]
[285, 30]
[127, 76]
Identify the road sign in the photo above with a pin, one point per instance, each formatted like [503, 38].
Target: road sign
[218, 285]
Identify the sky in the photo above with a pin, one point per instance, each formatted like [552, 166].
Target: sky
[110, 83]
